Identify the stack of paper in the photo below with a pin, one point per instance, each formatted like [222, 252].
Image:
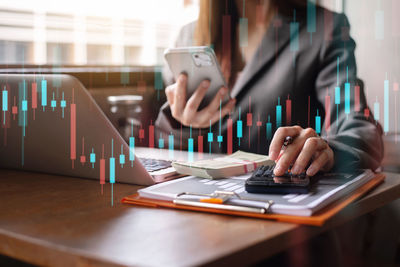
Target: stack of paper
[235, 164]
[329, 188]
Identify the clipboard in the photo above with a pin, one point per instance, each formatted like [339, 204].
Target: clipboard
[318, 219]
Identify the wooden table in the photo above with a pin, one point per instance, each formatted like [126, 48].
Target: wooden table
[65, 221]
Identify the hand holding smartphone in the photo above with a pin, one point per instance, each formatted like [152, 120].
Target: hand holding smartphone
[200, 89]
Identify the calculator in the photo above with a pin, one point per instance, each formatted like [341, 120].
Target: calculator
[263, 181]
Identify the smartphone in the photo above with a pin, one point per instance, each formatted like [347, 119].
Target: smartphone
[199, 63]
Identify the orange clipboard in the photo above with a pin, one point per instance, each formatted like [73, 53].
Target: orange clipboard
[317, 219]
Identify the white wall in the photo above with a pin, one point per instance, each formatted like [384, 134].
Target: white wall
[378, 48]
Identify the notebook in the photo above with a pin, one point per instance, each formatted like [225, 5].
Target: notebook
[329, 188]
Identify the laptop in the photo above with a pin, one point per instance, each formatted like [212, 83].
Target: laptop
[51, 124]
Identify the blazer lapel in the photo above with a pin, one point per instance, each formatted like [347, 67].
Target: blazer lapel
[275, 39]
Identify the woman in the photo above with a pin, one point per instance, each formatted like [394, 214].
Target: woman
[293, 52]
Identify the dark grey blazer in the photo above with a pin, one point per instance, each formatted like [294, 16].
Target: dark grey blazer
[307, 76]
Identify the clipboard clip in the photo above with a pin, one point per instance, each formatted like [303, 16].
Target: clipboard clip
[218, 199]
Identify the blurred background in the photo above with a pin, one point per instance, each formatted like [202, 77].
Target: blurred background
[115, 48]
[76, 32]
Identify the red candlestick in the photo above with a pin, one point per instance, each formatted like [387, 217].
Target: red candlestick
[34, 98]
[327, 112]
[357, 98]
[102, 169]
[200, 146]
[288, 111]
[366, 113]
[151, 136]
[229, 135]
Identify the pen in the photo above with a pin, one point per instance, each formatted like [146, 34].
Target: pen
[219, 206]
[212, 200]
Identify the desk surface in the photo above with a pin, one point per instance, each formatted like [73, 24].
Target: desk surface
[64, 221]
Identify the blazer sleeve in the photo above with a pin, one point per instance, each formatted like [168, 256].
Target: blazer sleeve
[355, 139]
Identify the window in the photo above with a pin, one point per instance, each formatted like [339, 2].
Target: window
[80, 32]
[15, 52]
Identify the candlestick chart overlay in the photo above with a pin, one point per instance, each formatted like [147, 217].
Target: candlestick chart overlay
[37, 98]
[32, 100]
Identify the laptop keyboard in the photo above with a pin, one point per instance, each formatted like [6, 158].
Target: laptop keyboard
[152, 165]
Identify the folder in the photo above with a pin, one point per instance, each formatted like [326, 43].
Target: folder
[317, 219]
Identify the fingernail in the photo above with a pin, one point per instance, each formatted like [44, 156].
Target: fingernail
[311, 171]
[182, 77]
[295, 170]
[278, 169]
[223, 91]
[205, 83]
